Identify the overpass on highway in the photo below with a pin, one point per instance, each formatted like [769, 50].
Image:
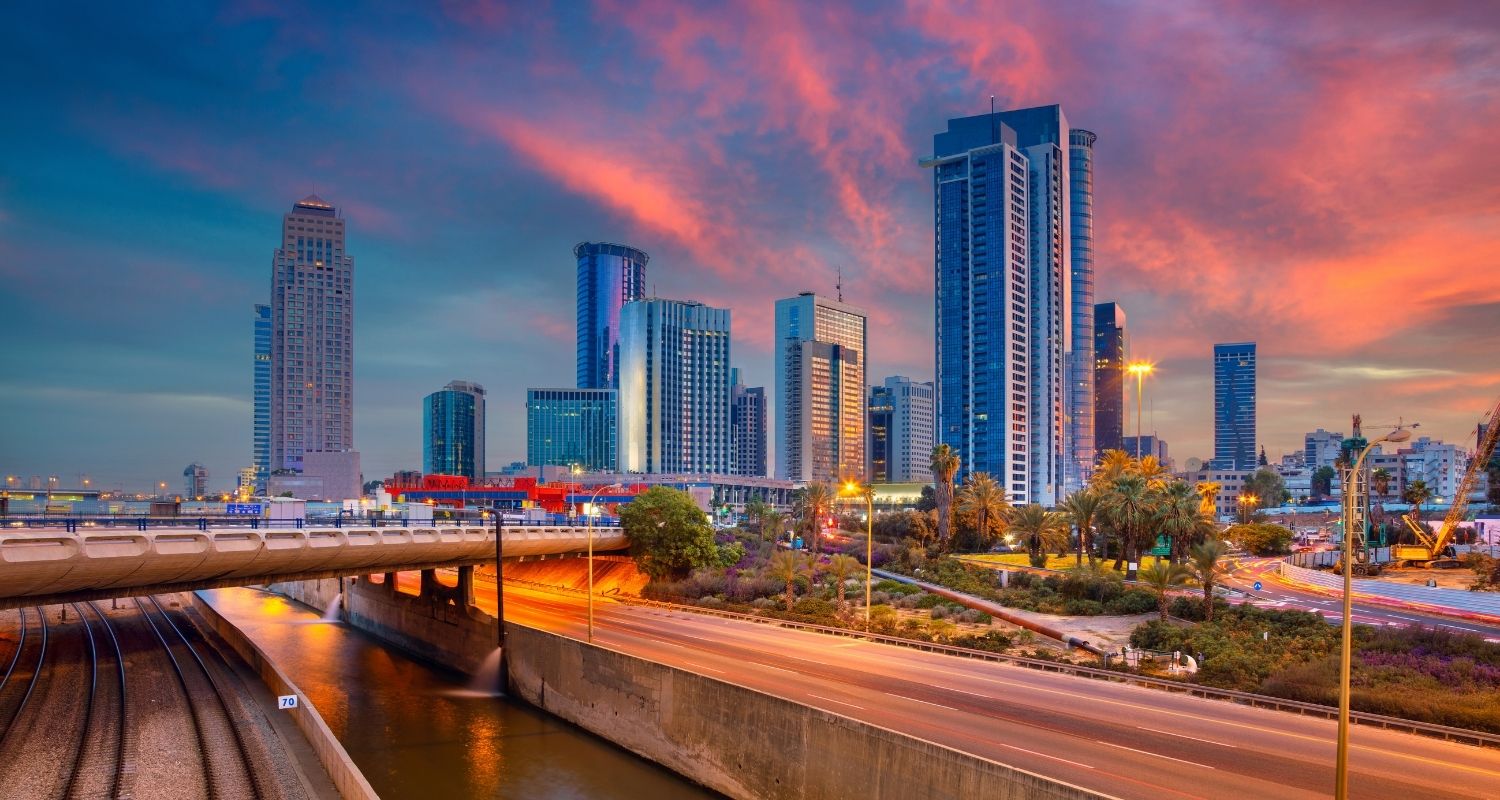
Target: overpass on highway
[41, 566]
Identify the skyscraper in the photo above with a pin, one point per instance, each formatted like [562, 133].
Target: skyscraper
[674, 387]
[609, 276]
[312, 336]
[1234, 406]
[571, 428]
[983, 300]
[453, 431]
[1080, 402]
[747, 419]
[901, 430]
[820, 389]
[1109, 377]
[261, 459]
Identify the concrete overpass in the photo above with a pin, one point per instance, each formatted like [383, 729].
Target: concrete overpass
[53, 566]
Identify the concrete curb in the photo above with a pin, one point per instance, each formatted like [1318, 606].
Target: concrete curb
[346, 777]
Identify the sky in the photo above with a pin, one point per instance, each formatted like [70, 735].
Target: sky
[1317, 177]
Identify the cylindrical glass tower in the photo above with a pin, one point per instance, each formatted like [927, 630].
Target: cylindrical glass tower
[609, 276]
[1081, 275]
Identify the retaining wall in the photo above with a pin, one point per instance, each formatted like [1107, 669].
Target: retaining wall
[346, 776]
[1470, 602]
[744, 743]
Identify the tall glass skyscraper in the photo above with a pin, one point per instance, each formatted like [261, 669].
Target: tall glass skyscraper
[312, 336]
[674, 388]
[1234, 406]
[820, 389]
[261, 458]
[747, 419]
[571, 428]
[609, 276]
[1109, 377]
[453, 431]
[1080, 407]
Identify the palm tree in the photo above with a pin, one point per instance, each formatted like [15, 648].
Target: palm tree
[1131, 507]
[817, 499]
[1416, 493]
[755, 513]
[1381, 480]
[841, 568]
[982, 497]
[1203, 563]
[790, 567]
[1155, 474]
[1113, 464]
[1081, 506]
[1181, 518]
[1039, 528]
[1209, 491]
[944, 467]
[1161, 577]
[772, 521]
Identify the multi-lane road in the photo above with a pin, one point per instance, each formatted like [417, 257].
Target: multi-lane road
[1121, 740]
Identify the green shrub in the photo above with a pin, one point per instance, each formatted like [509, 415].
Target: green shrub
[928, 601]
[814, 607]
[1083, 608]
[1132, 601]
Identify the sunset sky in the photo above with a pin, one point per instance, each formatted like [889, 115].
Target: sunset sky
[1322, 178]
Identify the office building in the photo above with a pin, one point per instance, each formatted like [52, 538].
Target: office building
[312, 337]
[901, 423]
[453, 431]
[1079, 410]
[573, 428]
[1148, 445]
[1234, 406]
[1321, 448]
[1109, 377]
[819, 348]
[609, 276]
[674, 388]
[981, 188]
[195, 481]
[260, 461]
[747, 419]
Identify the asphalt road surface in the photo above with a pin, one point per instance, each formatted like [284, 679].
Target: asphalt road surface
[1121, 740]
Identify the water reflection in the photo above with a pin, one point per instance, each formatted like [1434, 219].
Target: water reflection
[417, 731]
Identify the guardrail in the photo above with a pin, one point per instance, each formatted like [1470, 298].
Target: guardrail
[1472, 602]
[1445, 732]
[203, 523]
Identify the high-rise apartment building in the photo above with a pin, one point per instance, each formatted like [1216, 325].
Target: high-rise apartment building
[453, 431]
[901, 425]
[571, 428]
[1079, 411]
[1321, 448]
[609, 276]
[195, 481]
[820, 351]
[260, 463]
[312, 336]
[747, 419]
[1109, 377]
[1234, 406]
[981, 252]
[674, 387]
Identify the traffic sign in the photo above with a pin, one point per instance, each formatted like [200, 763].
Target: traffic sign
[1257, 586]
[243, 509]
[286, 701]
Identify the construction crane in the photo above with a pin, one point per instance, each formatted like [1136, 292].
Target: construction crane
[1435, 549]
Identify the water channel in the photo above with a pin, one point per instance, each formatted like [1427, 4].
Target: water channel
[416, 732]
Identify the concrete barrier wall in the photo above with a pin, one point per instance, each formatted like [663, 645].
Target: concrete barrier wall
[745, 743]
[346, 776]
[1457, 599]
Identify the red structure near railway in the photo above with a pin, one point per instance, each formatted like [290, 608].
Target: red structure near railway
[456, 491]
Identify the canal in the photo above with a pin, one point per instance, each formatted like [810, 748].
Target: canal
[417, 731]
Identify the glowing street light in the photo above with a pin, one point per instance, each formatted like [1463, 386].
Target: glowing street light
[853, 489]
[1140, 369]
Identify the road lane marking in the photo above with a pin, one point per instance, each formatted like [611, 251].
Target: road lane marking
[923, 702]
[1187, 736]
[1154, 755]
[831, 700]
[1043, 755]
[700, 666]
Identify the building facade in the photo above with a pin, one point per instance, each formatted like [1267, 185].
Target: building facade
[1234, 406]
[1321, 448]
[820, 347]
[195, 481]
[1079, 411]
[983, 306]
[747, 419]
[312, 336]
[1148, 445]
[1109, 377]
[674, 388]
[260, 460]
[571, 428]
[901, 428]
[609, 276]
[453, 431]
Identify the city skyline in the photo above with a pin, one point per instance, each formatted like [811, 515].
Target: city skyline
[457, 278]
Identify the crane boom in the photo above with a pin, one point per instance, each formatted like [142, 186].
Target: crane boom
[1433, 545]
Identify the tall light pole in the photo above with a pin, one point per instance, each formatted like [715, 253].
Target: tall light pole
[853, 489]
[589, 521]
[1140, 369]
[1341, 768]
[1245, 501]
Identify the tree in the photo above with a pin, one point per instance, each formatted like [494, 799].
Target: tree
[897, 525]
[928, 500]
[1180, 516]
[755, 513]
[1113, 465]
[1039, 528]
[1416, 493]
[817, 501]
[1209, 491]
[1081, 506]
[1261, 538]
[944, 467]
[1153, 472]
[841, 568]
[982, 497]
[790, 567]
[1161, 577]
[1322, 481]
[1130, 506]
[1203, 562]
[1380, 480]
[772, 521]
[1267, 487]
[669, 535]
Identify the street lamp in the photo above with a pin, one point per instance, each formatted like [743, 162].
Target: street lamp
[1341, 770]
[853, 489]
[1140, 369]
[1246, 501]
[589, 522]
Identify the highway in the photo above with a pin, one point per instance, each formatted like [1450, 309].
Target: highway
[1276, 593]
[1120, 740]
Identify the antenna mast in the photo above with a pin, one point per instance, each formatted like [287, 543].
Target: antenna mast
[839, 284]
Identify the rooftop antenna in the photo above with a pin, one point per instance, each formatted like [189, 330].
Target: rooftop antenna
[839, 284]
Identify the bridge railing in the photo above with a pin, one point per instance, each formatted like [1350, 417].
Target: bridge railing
[76, 524]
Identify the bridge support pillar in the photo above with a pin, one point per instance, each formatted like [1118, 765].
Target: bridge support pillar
[465, 587]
